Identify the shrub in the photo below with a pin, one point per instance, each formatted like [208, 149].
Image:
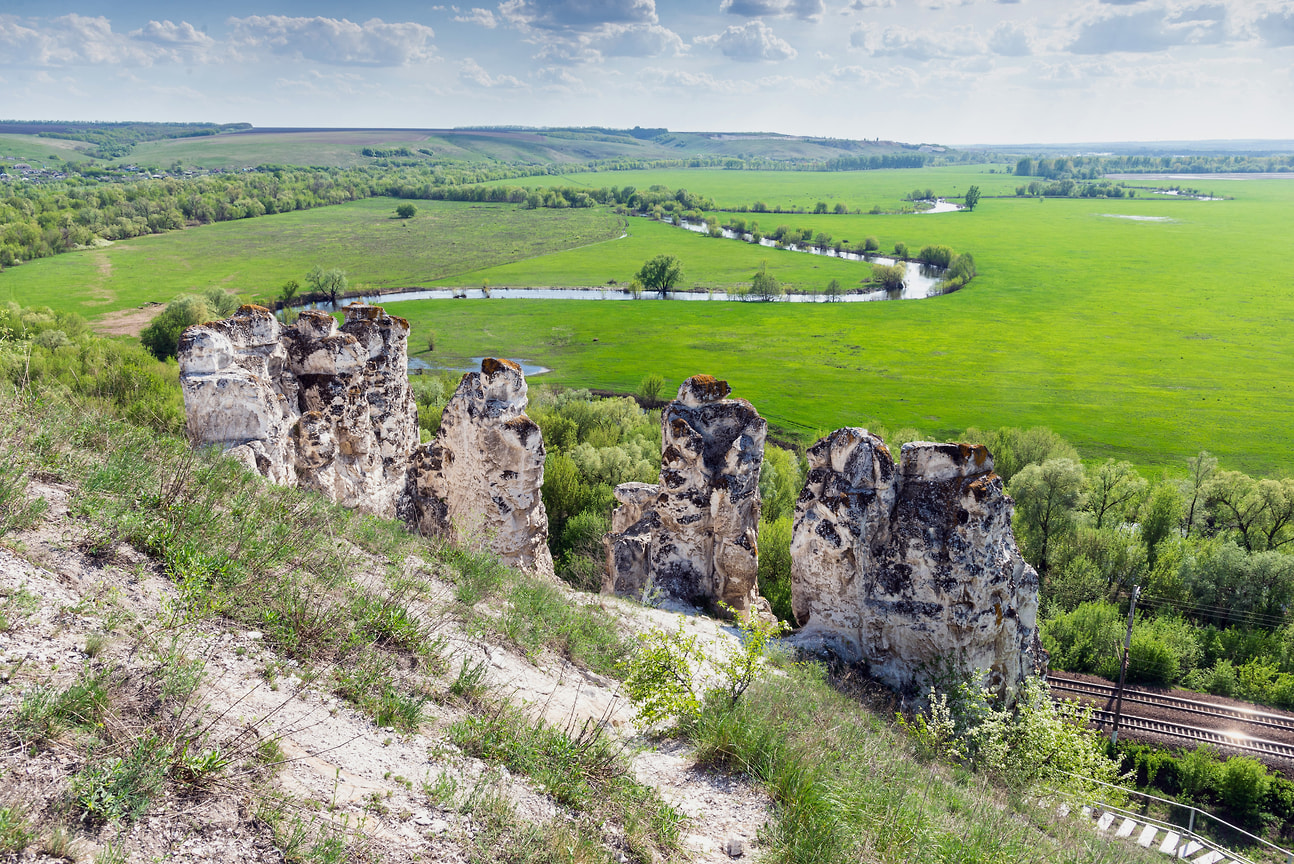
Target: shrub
[935, 256]
[775, 565]
[650, 387]
[1243, 784]
[406, 211]
[889, 277]
[162, 336]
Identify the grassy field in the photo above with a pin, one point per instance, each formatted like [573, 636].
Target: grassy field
[37, 150]
[857, 190]
[342, 148]
[1146, 340]
[256, 256]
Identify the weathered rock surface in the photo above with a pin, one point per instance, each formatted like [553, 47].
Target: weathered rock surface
[913, 570]
[479, 480]
[309, 405]
[330, 409]
[692, 536]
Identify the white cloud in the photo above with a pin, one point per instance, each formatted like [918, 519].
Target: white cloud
[169, 33]
[636, 40]
[653, 78]
[806, 10]
[471, 72]
[860, 5]
[70, 40]
[588, 31]
[1010, 40]
[1149, 30]
[558, 78]
[336, 40]
[752, 42]
[753, 8]
[484, 17]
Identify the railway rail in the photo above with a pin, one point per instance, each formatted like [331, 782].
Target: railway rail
[1222, 738]
[1232, 738]
[1175, 703]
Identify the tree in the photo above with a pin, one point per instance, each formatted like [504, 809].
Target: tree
[840, 209]
[1045, 496]
[820, 207]
[764, 285]
[331, 283]
[871, 244]
[1024, 167]
[1202, 468]
[833, 291]
[649, 388]
[1260, 511]
[1113, 489]
[972, 197]
[661, 274]
[406, 211]
[890, 276]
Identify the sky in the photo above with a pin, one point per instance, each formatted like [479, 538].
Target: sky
[940, 71]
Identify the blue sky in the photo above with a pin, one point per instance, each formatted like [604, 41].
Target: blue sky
[940, 71]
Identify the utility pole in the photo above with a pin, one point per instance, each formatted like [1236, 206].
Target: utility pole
[1123, 667]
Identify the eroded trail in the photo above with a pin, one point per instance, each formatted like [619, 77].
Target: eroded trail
[308, 767]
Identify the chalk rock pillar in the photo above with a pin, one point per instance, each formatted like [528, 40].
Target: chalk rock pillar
[914, 571]
[309, 405]
[693, 536]
[480, 479]
[235, 392]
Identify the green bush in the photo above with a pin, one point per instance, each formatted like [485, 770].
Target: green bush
[1243, 784]
[1087, 639]
[775, 565]
[162, 336]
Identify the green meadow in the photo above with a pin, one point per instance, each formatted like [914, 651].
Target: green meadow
[37, 150]
[256, 256]
[797, 190]
[1147, 339]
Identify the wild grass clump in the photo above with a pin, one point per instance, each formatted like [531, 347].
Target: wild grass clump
[584, 770]
[849, 788]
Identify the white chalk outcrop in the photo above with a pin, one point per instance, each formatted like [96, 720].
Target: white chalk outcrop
[913, 571]
[480, 479]
[329, 408]
[309, 405]
[693, 536]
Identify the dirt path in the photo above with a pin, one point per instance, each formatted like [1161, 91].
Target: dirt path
[127, 322]
[404, 795]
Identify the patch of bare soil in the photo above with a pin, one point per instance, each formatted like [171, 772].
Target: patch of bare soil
[127, 322]
[305, 763]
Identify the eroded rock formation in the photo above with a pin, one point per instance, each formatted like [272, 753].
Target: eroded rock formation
[480, 479]
[913, 570]
[309, 405]
[692, 536]
[329, 408]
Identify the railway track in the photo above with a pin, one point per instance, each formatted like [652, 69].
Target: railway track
[1222, 738]
[1174, 703]
[1231, 738]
